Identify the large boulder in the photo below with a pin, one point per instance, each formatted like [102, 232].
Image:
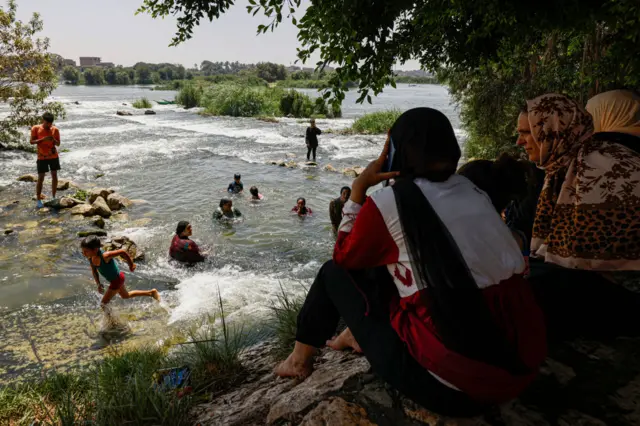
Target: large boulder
[62, 203]
[124, 243]
[28, 178]
[83, 209]
[123, 113]
[116, 201]
[63, 184]
[98, 192]
[101, 208]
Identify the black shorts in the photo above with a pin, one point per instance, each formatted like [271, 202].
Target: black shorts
[45, 165]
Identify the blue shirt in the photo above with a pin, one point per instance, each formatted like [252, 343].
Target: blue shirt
[235, 188]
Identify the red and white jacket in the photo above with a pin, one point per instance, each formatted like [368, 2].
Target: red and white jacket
[371, 235]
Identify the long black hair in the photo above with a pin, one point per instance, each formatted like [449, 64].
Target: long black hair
[303, 210]
[426, 147]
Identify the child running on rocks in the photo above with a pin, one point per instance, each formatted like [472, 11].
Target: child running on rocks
[104, 264]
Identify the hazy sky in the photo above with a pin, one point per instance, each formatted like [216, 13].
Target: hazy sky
[111, 30]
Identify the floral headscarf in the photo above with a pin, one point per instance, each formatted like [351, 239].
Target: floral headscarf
[588, 212]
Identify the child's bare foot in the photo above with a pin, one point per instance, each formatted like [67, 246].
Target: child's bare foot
[291, 367]
[155, 294]
[343, 341]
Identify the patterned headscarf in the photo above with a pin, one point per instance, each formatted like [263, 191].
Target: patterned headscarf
[587, 215]
[616, 111]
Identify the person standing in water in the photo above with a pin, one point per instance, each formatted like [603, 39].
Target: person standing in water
[226, 210]
[103, 263]
[335, 207]
[236, 186]
[311, 139]
[182, 248]
[301, 208]
[47, 137]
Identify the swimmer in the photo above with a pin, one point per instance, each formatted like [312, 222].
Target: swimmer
[335, 208]
[255, 195]
[226, 210]
[182, 248]
[301, 208]
[235, 187]
[103, 263]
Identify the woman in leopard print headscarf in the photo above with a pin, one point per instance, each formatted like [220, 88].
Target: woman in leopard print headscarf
[588, 214]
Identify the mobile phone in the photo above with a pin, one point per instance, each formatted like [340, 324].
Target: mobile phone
[389, 161]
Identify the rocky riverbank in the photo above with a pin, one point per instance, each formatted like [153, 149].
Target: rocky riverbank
[583, 382]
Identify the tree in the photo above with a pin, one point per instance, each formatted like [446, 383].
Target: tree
[94, 76]
[111, 76]
[71, 75]
[143, 74]
[27, 76]
[483, 46]
[271, 72]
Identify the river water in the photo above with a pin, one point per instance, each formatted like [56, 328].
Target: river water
[180, 164]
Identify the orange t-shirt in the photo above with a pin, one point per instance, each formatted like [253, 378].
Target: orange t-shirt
[46, 149]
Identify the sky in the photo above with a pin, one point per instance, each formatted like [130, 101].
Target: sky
[111, 30]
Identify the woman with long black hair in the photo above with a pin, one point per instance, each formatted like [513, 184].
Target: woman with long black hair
[428, 279]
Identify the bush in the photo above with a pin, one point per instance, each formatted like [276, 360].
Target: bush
[189, 96]
[142, 103]
[239, 101]
[376, 122]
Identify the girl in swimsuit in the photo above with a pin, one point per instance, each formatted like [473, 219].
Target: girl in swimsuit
[103, 263]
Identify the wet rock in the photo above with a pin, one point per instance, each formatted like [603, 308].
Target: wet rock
[125, 113]
[44, 210]
[116, 201]
[63, 184]
[377, 394]
[99, 175]
[28, 178]
[120, 217]
[149, 112]
[94, 193]
[358, 170]
[62, 203]
[337, 412]
[290, 155]
[83, 234]
[124, 243]
[291, 164]
[83, 209]
[349, 172]
[8, 231]
[98, 221]
[101, 208]
[53, 231]
[329, 168]
[562, 373]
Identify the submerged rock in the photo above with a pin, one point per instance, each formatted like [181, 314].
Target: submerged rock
[98, 221]
[83, 234]
[8, 231]
[329, 168]
[149, 112]
[28, 178]
[101, 208]
[83, 209]
[116, 201]
[126, 113]
[62, 203]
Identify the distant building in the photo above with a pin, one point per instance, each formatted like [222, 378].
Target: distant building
[106, 64]
[89, 61]
[69, 62]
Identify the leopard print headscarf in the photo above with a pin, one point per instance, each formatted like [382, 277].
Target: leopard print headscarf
[588, 214]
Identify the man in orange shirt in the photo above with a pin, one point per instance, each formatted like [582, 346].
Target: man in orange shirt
[47, 137]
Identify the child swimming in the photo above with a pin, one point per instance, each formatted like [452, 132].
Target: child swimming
[104, 264]
[255, 195]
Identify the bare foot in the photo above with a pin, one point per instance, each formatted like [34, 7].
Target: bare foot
[42, 197]
[292, 368]
[344, 341]
[155, 295]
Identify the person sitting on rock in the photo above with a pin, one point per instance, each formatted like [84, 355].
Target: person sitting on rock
[226, 211]
[255, 195]
[436, 302]
[236, 187]
[103, 263]
[184, 249]
[301, 208]
[335, 207]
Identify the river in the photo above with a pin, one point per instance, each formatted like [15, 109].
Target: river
[180, 164]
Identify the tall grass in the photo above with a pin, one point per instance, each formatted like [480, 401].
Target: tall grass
[189, 96]
[142, 103]
[376, 122]
[284, 314]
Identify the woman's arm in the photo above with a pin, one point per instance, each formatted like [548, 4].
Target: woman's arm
[108, 256]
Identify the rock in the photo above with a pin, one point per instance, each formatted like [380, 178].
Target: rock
[83, 209]
[377, 393]
[291, 164]
[282, 163]
[98, 221]
[83, 234]
[44, 210]
[101, 208]
[28, 178]
[123, 113]
[290, 155]
[62, 203]
[349, 172]
[98, 192]
[8, 231]
[329, 168]
[116, 201]
[149, 112]
[63, 184]
[77, 102]
[120, 217]
[99, 175]
[562, 373]
[337, 412]
[124, 243]
[53, 231]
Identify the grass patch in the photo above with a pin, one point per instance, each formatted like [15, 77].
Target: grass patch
[375, 122]
[80, 194]
[142, 103]
[189, 96]
[284, 313]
